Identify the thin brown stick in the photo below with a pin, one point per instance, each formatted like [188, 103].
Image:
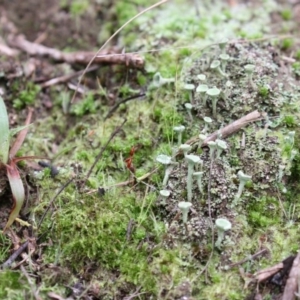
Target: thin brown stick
[51, 202]
[229, 129]
[266, 273]
[14, 256]
[292, 282]
[252, 257]
[80, 57]
[102, 150]
[31, 284]
[111, 37]
[115, 107]
[65, 78]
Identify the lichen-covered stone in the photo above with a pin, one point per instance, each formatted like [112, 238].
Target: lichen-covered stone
[257, 149]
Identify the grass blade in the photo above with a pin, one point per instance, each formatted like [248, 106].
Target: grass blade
[21, 136]
[4, 133]
[18, 192]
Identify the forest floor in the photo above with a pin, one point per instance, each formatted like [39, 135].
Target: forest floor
[103, 216]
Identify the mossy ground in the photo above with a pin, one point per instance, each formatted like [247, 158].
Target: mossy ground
[123, 241]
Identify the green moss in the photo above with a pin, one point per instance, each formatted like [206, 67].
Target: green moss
[257, 219]
[185, 52]
[126, 91]
[141, 79]
[125, 11]
[263, 91]
[287, 44]
[27, 96]
[295, 170]
[87, 105]
[4, 247]
[289, 121]
[264, 212]
[286, 14]
[11, 285]
[296, 68]
[92, 234]
[78, 7]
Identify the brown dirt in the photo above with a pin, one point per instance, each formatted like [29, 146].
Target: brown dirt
[54, 25]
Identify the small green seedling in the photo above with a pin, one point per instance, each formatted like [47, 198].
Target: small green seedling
[201, 89]
[199, 176]
[224, 59]
[221, 146]
[249, 70]
[202, 138]
[243, 178]
[207, 121]
[216, 65]
[191, 161]
[189, 107]
[185, 148]
[179, 129]
[214, 93]
[190, 88]
[212, 148]
[167, 162]
[159, 81]
[201, 77]
[280, 172]
[185, 208]
[222, 44]
[164, 195]
[222, 226]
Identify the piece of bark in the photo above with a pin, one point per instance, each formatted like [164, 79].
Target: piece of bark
[112, 56]
[291, 285]
[268, 272]
[234, 127]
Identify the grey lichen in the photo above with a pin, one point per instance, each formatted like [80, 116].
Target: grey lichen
[241, 96]
[244, 150]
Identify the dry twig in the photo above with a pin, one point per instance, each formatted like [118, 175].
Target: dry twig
[65, 78]
[15, 255]
[230, 129]
[53, 199]
[81, 57]
[115, 107]
[112, 36]
[251, 257]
